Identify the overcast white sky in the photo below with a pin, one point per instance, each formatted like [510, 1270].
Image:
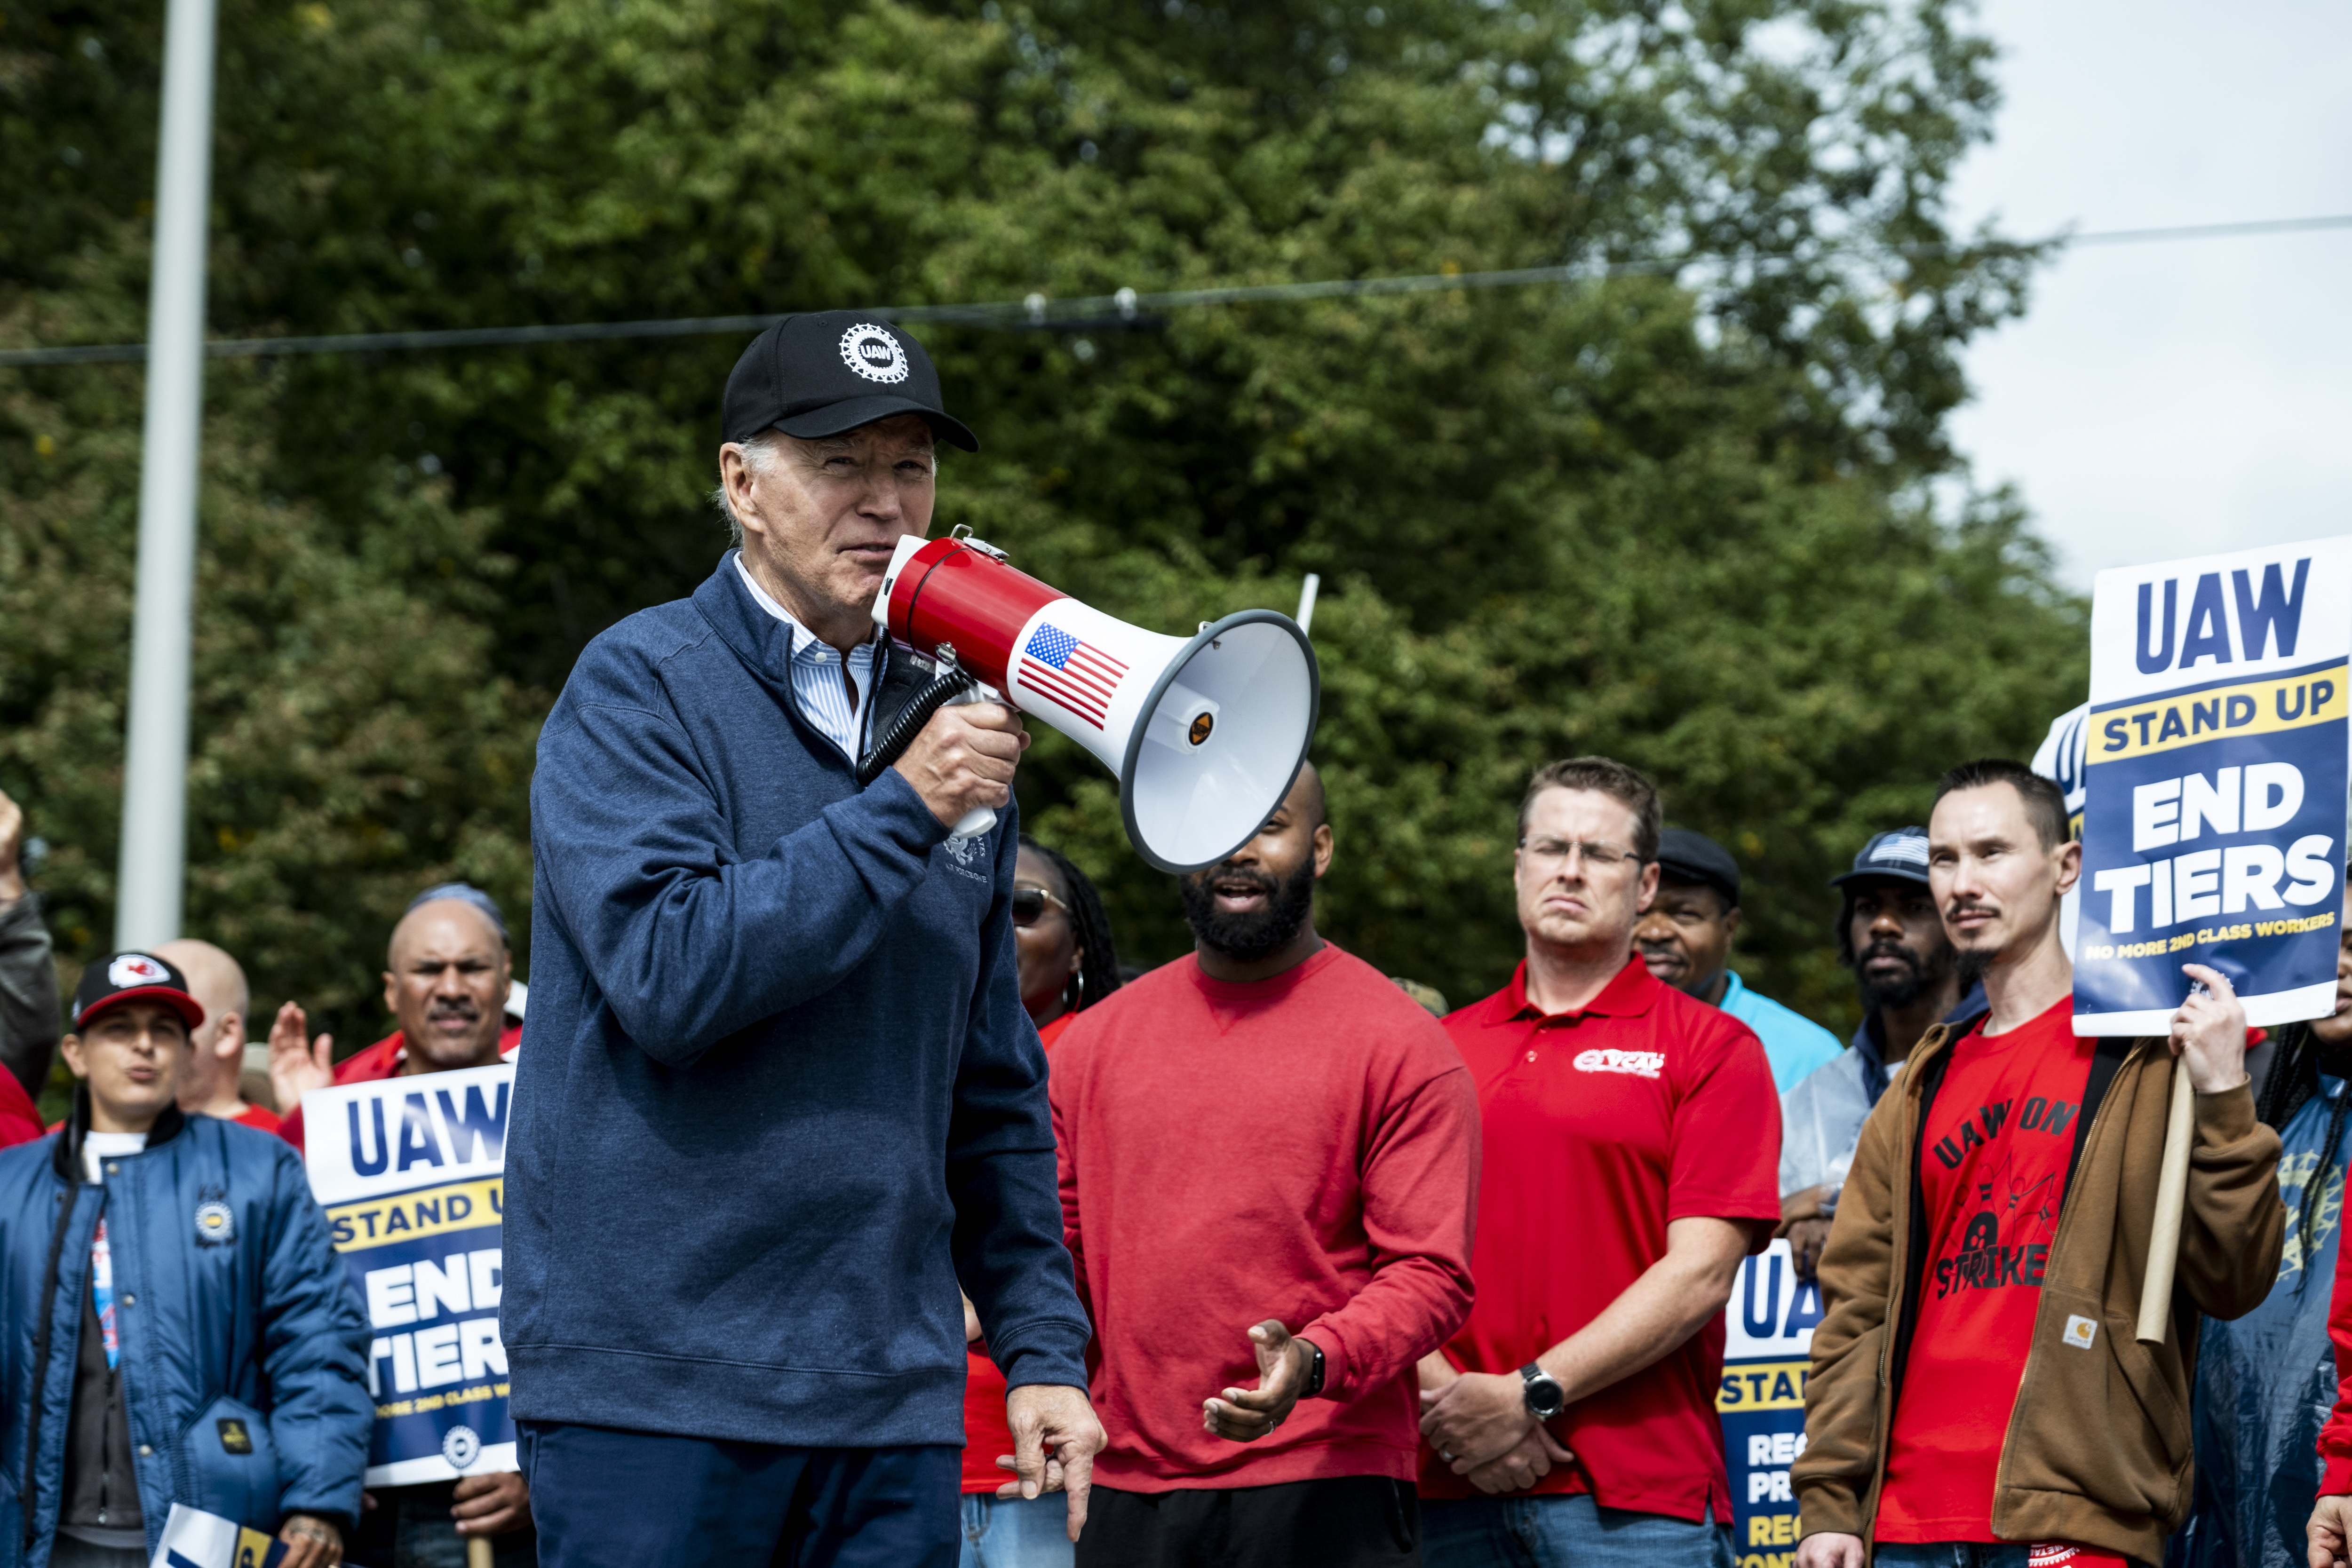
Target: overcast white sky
[2175, 399]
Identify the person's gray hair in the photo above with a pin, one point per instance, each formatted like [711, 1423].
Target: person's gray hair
[760, 453]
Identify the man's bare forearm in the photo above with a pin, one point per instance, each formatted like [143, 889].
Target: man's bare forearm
[1672, 1300]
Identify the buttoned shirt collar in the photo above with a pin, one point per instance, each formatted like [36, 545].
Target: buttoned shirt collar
[815, 669]
[1628, 994]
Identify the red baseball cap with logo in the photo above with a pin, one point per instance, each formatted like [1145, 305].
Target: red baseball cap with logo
[132, 977]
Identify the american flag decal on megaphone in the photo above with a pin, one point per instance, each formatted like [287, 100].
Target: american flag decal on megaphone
[1084, 676]
[1206, 732]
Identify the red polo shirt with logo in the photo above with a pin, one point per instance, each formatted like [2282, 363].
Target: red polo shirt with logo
[1600, 1127]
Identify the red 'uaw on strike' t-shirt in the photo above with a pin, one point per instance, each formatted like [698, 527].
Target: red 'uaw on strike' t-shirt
[1992, 1168]
[1601, 1126]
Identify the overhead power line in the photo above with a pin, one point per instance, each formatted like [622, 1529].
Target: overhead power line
[1128, 306]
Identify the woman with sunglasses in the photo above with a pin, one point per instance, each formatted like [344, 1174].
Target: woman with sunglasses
[1068, 963]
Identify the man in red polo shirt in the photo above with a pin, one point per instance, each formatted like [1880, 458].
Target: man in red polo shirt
[446, 979]
[1632, 1144]
[447, 976]
[1268, 1158]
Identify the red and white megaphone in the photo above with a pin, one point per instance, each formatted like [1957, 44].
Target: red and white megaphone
[1205, 733]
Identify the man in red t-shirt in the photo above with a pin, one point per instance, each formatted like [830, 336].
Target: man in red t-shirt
[210, 1080]
[1268, 1158]
[2004, 1105]
[1631, 1146]
[446, 974]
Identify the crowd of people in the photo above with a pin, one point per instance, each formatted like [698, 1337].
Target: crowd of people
[1255, 1260]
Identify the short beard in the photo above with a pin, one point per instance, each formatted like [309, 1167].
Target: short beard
[1923, 976]
[1246, 938]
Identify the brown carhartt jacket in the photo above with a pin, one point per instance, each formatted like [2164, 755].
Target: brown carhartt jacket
[2098, 1451]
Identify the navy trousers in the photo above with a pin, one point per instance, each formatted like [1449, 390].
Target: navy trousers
[607, 1498]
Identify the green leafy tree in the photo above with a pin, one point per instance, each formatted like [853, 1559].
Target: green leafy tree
[1672, 512]
[350, 740]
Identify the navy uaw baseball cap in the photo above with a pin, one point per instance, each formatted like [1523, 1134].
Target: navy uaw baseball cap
[132, 977]
[1901, 853]
[830, 371]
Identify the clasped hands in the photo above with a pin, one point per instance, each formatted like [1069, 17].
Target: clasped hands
[1480, 1425]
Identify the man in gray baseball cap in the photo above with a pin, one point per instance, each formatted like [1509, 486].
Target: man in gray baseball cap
[778, 1098]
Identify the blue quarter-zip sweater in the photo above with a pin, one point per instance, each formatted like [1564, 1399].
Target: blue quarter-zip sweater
[777, 1095]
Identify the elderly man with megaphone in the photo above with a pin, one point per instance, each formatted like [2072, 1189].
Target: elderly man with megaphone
[781, 1097]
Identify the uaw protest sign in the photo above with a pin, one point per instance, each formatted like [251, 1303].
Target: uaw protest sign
[1767, 1346]
[2214, 828]
[410, 1172]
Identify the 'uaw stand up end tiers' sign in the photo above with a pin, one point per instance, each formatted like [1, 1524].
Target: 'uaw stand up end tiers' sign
[2216, 759]
[1768, 1342]
[410, 1172]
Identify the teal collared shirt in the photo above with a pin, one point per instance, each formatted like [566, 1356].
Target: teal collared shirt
[1793, 1043]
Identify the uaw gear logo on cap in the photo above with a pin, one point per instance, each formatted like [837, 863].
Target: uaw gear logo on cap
[137, 969]
[874, 353]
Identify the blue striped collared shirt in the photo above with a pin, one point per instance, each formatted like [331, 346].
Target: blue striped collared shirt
[815, 671]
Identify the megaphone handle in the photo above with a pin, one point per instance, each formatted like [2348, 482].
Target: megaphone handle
[980, 819]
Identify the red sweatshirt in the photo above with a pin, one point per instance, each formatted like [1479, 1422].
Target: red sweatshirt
[1304, 1148]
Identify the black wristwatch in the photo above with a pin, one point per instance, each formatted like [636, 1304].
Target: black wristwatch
[1546, 1398]
[1314, 1388]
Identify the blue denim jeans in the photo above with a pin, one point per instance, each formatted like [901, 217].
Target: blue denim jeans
[1565, 1532]
[1024, 1532]
[1950, 1554]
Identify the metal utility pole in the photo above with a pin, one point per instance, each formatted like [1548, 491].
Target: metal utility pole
[155, 766]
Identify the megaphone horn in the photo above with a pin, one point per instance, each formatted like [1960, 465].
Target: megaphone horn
[1206, 732]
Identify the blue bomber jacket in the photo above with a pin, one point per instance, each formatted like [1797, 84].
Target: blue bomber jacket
[777, 1096]
[243, 1339]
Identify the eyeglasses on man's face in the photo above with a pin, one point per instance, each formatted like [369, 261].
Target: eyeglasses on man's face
[1551, 855]
[1029, 902]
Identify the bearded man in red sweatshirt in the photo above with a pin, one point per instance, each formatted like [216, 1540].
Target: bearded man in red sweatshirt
[1268, 1160]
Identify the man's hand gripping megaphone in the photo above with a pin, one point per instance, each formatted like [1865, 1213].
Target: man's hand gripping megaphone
[957, 743]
